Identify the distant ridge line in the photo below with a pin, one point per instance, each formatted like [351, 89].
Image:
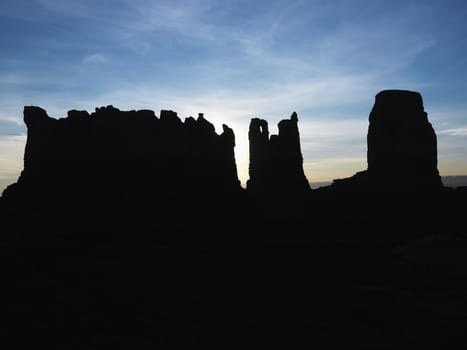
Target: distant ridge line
[449, 181]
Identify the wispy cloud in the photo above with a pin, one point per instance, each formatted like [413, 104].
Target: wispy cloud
[447, 117]
[96, 58]
[180, 16]
[461, 131]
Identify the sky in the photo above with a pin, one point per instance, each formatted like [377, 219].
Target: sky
[238, 59]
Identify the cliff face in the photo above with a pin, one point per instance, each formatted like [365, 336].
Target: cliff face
[276, 162]
[134, 158]
[91, 158]
[402, 148]
[400, 138]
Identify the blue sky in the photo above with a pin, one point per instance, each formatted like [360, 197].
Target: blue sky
[238, 59]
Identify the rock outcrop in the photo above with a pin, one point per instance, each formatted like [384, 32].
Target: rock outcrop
[276, 162]
[402, 148]
[124, 158]
[124, 230]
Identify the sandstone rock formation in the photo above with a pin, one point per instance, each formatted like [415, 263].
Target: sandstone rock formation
[402, 148]
[276, 162]
[114, 235]
[124, 157]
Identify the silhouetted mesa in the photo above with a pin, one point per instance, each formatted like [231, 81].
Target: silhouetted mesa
[111, 157]
[276, 162]
[402, 150]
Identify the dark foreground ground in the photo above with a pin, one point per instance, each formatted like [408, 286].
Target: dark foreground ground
[328, 272]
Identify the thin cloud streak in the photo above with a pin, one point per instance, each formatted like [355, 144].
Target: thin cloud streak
[462, 131]
[96, 58]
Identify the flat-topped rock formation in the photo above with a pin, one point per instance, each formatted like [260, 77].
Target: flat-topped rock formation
[402, 148]
[129, 158]
[276, 162]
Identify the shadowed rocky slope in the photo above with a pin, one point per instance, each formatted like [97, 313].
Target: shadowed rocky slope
[131, 231]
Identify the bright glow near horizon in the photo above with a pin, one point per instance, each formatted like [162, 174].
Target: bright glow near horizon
[238, 59]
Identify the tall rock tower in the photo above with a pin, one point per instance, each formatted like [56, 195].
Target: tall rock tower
[400, 139]
[402, 147]
[276, 162]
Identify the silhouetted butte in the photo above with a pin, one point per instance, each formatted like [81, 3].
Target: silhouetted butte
[402, 147]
